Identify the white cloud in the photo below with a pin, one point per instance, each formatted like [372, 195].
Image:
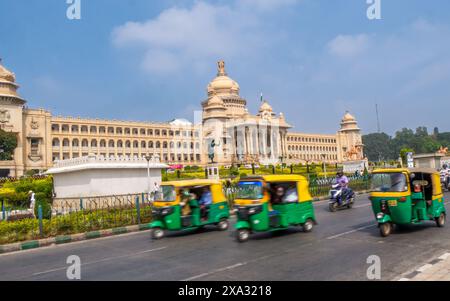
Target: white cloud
[179, 37]
[348, 45]
[266, 5]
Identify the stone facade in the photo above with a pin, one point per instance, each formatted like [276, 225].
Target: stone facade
[227, 134]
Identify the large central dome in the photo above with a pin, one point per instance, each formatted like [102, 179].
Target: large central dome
[222, 84]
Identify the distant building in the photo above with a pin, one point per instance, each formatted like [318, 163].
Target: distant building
[239, 137]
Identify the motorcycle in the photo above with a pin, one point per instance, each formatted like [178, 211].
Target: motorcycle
[336, 202]
[445, 183]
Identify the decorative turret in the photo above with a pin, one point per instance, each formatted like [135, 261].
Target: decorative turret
[222, 84]
[8, 86]
[349, 123]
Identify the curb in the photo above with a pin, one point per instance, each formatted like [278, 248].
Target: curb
[423, 268]
[63, 239]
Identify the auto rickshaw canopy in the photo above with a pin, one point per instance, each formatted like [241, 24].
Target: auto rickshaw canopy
[302, 184]
[215, 187]
[419, 174]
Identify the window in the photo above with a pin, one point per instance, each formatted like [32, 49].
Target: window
[389, 182]
[55, 142]
[55, 128]
[65, 128]
[249, 190]
[34, 147]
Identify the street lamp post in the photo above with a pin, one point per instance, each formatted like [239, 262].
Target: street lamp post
[148, 157]
[324, 165]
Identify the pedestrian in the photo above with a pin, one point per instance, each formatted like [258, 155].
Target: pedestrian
[155, 192]
[31, 194]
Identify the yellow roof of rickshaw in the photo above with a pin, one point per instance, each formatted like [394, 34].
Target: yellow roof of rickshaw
[276, 178]
[189, 183]
[407, 170]
[384, 170]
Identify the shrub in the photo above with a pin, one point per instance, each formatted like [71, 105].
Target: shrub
[46, 208]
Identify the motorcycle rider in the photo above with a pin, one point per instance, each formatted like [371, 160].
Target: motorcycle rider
[343, 181]
[445, 174]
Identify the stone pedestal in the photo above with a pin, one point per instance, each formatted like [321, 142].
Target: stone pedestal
[212, 171]
[353, 166]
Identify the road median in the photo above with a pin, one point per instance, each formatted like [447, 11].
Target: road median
[63, 239]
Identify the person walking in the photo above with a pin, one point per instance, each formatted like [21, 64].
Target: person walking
[31, 194]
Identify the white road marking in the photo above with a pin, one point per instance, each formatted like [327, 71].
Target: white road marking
[444, 256]
[424, 267]
[227, 268]
[101, 260]
[403, 279]
[352, 231]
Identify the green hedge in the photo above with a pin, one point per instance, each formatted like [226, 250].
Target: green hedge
[76, 222]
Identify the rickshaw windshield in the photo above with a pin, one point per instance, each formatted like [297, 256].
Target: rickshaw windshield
[166, 193]
[249, 190]
[389, 182]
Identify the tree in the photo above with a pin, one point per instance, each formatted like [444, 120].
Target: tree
[8, 143]
[377, 146]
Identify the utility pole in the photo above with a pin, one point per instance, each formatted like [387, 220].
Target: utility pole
[378, 119]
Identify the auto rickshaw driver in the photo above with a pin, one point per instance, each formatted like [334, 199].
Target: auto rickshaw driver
[187, 198]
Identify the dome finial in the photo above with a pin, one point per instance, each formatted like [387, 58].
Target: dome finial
[221, 68]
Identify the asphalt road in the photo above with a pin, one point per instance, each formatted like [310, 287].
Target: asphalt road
[336, 249]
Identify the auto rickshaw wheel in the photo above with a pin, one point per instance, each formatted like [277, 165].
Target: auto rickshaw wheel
[243, 235]
[157, 233]
[333, 207]
[385, 229]
[440, 221]
[308, 225]
[223, 224]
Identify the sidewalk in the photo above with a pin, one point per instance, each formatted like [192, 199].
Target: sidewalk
[435, 270]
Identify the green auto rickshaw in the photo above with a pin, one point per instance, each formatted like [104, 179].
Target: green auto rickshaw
[271, 203]
[406, 196]
[177, 206]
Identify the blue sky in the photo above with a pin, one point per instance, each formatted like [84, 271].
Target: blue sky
[312, 59]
